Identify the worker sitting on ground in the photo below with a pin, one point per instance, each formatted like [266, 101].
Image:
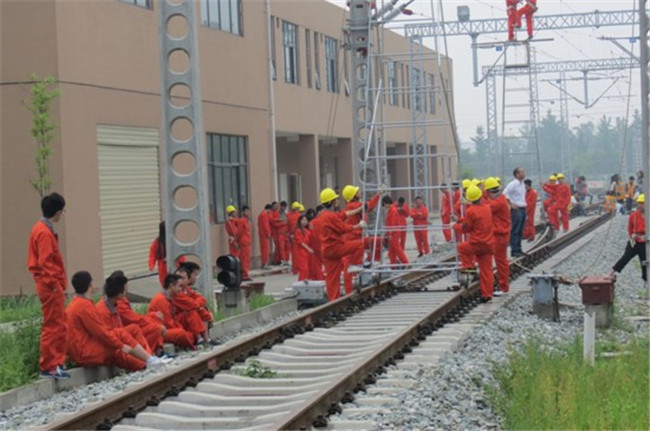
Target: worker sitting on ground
[636, 242]
[193, 269]
[478, 223]
[187, 311]
[91, 342]
[161, 305]
[609, 204]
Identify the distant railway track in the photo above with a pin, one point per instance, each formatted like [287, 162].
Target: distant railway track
[323, 357]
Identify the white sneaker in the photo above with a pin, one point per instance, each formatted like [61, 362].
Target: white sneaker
[165, 359]
[154, 361]
[497, 293]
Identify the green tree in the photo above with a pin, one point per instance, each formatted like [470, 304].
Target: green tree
[44, 125]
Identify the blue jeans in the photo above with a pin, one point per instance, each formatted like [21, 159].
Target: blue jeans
[517, 218]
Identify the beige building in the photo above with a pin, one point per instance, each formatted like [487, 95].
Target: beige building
[106, 162]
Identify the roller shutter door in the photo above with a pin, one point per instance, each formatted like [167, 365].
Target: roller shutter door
[129, 188]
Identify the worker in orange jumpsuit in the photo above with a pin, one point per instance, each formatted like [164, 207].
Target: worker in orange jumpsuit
[192, 270]
[480, 246]
[420, 216]
[315, 259]
[563, 201]
[243, 236]
[334, 245]
[635, 246]
[403, 212]
[551, 189]
[511, 9]
[232, 226]
[352, 196]
[152, 328]
[531, 205]
[264, 233]
[395, 250]
[292, 223]
[445, 212]
[460, 209]
[302, 251]
[158, 254]
[277, 226]
[188, 310]
[107, 310]
[91, 342]
[284, 231]
[162, 303]
[45, 262]
[527, 10]
[500, 208]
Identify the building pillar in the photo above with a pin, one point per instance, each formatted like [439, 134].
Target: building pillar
[309, 169]
[345, 158]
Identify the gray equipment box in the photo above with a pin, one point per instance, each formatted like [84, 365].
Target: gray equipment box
[310, 292]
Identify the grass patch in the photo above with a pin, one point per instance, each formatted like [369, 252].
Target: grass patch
[256, 370]
[19, 354]
[258, 301]
[539, 389]
[14, 308]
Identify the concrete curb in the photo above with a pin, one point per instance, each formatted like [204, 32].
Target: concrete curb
[45, 388]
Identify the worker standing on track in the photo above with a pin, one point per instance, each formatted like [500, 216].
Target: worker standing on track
[445, 211]
[531, 205]
[527, 10]
[352, 196]
[334, 245]
[480, 247]
[515, 192]
[420, 216]
[511, 9]
[292, 222]
[501, 229]
[403, 212]
[395, 251]
[551, 189]
[264, 233]
[563, 201]
[636, 243]
[302, 251]
[45, 262]
[231, 230]
[244, 241]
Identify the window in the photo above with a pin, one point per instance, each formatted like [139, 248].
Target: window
[224, 15]
[274, 73]
[308, 55]
[227, 174]
[416, 90]
[346, 75]
[392, 83]
[317, 61]
[432, 94]
[403, 84]
[142, 3]
[332, 64]
[407, 84]
[290, 42]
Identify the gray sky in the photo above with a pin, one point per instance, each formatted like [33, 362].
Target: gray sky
[570, 44]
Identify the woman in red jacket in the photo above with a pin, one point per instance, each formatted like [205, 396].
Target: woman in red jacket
[158, 254]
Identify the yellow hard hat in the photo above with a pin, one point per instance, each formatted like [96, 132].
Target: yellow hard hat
[349, 192]
[301, 208]
[327, 195]
[491, 183]
[640, 199]
[230, 209]
[466, 183]
[559, 176]
[473, 193]
[295, 205]
[498, 180]
[475, 182]
[552, 178]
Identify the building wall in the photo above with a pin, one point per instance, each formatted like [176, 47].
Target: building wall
[106, 58]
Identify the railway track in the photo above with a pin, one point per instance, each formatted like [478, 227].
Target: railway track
[322, 357]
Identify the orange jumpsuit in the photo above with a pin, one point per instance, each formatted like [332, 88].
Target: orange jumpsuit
[531, 205]
[511, 6]
[232, 225]
[301, 255]
[244, 241]
[108, 312]
[316, 259]
[292, 223]
[151, 327]
[176, 334]
[550, 203]
[420, 216]
[445, 214]
[501, 229]
[480, 247]
[92, 343]
[369, 242]
[527, 10]
[402, 213]
[562, 205]
[45, 262]
[335, 248]
[395, 250]
[204, 313]
[264, 232]
[278, 226]
[160, 261]
[187, 313]
[460, 209]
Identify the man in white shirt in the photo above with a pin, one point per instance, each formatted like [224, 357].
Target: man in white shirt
[515, 191]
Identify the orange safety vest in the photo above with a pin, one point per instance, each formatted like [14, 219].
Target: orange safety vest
[620, 191]
[631, 190]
